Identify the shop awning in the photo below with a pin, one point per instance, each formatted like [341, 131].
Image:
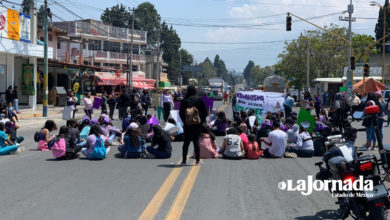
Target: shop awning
[109, 79]
[144, 83]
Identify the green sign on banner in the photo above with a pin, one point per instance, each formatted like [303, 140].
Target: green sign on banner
[28, 79]
[343, 89]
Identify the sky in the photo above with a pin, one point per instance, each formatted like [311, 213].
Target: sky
[237, 30]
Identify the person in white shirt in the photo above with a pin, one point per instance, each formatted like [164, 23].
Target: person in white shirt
[277, 139]
[304, 147]
[232, 147]
[166, 104]
[88, 105]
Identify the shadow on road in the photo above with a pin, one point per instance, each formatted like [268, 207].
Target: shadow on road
[325, 214]
[169, 165]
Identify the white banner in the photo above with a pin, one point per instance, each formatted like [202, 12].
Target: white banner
[24, 27]
[3, 23]
[261, 102]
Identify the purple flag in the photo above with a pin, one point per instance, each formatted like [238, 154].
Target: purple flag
[177, 105]
[153, 121]
[97, 102]
[209, 102]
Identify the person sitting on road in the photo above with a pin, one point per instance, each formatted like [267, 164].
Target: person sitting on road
[11, 131]
[207, 143]
[94, 136]
[179, 133]
[252, 150]
[74, 133]
[11, 113]
[220, 124]
[133, 143]
[144, 126]
[163, 142]
[277, 140]
[293, 136]
[126, 121]
[64, 147]
[232, 147]
[6, 145]
[304, 147]
[108, 130]
[252, 117]
[44, 135]
[242, 130]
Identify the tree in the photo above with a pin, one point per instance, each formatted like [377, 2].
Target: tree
[170, 44]
[379, 24]
[207, 72]
[148, 19]
[117, 15]
[26, 5]
[360, 42]
[186, 60]
[220, 67]
[258, 74]
[247, 73]
[41, 15]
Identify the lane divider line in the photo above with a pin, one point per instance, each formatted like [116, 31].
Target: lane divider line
[180, 202]
[154, 205]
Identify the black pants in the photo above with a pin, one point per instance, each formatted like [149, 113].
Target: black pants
[318, 110]
[191, 134]
[112, 110]
[71, 153]
[167, 110]
[145, 107]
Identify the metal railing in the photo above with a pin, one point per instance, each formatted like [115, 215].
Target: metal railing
[97, 28]
[100, 54]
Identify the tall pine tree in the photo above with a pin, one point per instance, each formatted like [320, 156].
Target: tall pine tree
[379, 24]
[247, 73]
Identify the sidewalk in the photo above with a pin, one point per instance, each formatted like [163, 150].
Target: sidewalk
[52, 111]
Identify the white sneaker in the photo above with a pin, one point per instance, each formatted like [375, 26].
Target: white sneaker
[16, 152]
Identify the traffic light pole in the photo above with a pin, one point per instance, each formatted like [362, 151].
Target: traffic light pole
[45, 64]
[348, 42]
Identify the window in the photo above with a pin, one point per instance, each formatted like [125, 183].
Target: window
[96, 45]
[58, 44]
[50, 37]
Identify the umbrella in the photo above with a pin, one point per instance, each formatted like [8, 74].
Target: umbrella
[371, 86]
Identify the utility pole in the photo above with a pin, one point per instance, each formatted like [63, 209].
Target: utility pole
[349, 72]
[130, 67]
[45, 64]
[158, 59]
[384, 9]
[307, 65]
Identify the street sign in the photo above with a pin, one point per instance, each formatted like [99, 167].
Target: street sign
[192, 69]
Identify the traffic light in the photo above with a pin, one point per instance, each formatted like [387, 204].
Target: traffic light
[288, 22]
[352, 63]
[366, 70]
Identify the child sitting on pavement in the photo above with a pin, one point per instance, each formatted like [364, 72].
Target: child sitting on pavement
[6, 145]
[133, 144]
[11, 131]
[252, 150]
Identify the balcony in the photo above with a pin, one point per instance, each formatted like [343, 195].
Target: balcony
[98, 30]
[107, 56]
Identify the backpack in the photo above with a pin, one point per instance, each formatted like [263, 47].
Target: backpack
[85, 132]
[59, 148]
[37, 136]
[192, 116]
[99, 151]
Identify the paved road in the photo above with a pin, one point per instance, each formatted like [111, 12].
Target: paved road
[35, 186]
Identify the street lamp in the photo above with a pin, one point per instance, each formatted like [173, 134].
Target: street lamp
[384, 9]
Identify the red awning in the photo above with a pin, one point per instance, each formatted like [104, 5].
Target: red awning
[112, 81]
[144, 83]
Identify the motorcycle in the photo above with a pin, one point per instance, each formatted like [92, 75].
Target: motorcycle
[342, 162]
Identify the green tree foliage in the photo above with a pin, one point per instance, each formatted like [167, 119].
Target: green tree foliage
[148, 19]
[26, 5]
[379, 24]
[328, 55]
[208, 72]
[170, 44]
[247, 73]
[41, 15]
[258, 74]
[186, 60]
[117, 15]
[220, 67]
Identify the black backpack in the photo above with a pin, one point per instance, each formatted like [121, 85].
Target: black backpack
[36, 136]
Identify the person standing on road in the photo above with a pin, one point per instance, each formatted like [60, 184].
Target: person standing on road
[166, 104]
[288, 105]
[225, 98]
[146, 101]
[15, 99]
[111, 105]
[277, 139]
[317, 104]
[8, 95]
[354, 102]
[88, 105]
[104, 103]
[123, 103]
[193, 113]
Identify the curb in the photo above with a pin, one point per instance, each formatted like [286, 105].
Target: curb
[35, 115]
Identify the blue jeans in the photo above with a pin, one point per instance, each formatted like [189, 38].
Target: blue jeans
[16, 104]
[301, 153]
[158, 153]
[370, 132]
[388, 118]
[82, 144]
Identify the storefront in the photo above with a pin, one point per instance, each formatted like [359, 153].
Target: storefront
[116, 81]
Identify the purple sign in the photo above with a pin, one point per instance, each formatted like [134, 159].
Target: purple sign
[209, 102]
[97, 102]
